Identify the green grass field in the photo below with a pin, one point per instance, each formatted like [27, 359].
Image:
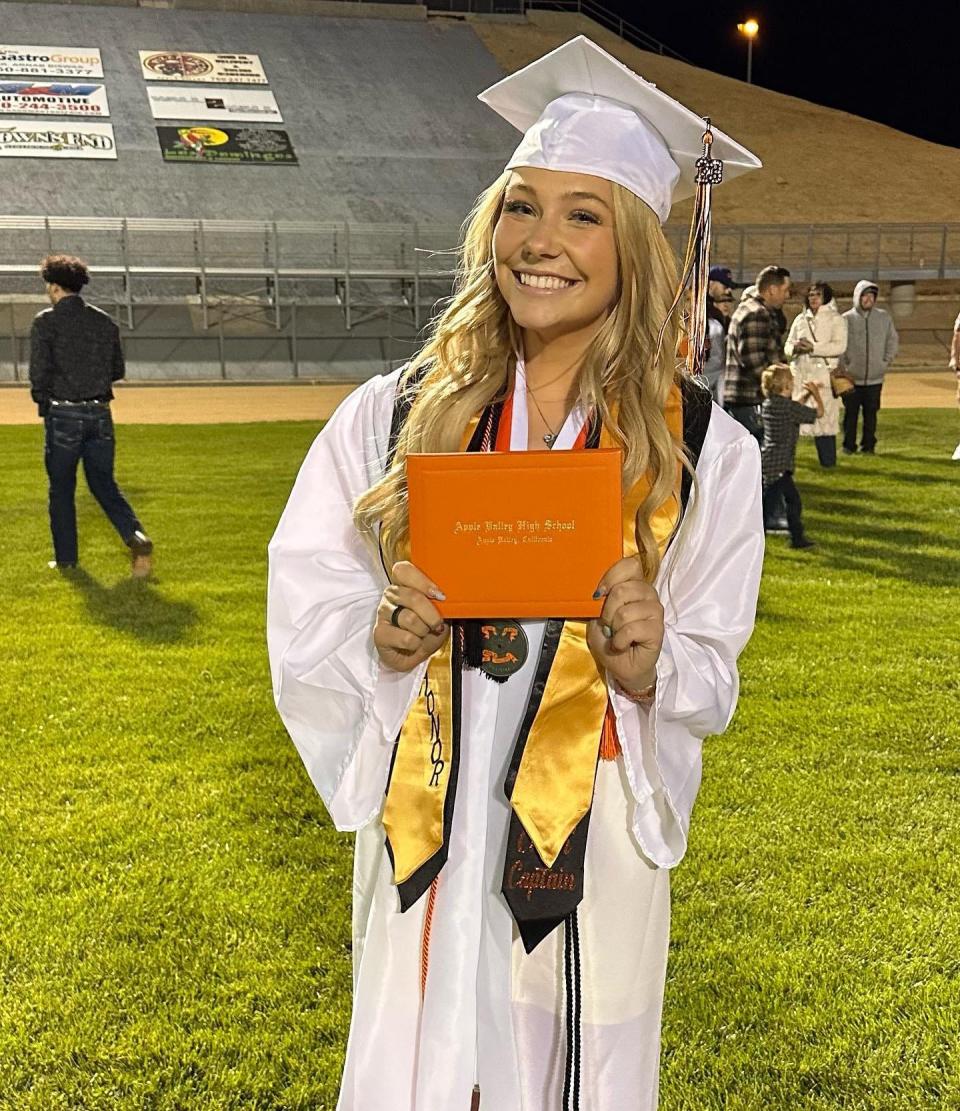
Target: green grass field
[174, 918]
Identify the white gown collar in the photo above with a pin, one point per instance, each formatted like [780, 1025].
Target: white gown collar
[566, 437]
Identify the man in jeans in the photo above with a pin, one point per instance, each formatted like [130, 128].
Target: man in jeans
[872, 344]
[753, 343]
[75, 357]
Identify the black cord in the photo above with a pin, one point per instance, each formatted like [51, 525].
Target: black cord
[577, 1010]
[568, 992]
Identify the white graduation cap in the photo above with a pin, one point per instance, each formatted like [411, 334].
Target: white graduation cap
[583, 111]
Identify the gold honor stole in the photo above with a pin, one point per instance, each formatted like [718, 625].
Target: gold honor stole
[551, 776]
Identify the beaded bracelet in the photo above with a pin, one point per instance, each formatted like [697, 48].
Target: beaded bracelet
[643, 697]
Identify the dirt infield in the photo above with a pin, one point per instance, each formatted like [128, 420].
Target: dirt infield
[215, 404]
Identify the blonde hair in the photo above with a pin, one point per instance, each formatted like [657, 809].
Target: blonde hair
[775, 378]
[466, 364]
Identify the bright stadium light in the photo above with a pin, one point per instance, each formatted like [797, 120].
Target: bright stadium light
[749, 29]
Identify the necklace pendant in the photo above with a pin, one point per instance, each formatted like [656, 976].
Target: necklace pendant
[549, 437]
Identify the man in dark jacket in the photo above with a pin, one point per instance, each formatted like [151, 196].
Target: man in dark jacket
[754, 342]
[75, 357]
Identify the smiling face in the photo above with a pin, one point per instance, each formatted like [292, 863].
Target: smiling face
[814, 299]
[554, 251]
[868, 299]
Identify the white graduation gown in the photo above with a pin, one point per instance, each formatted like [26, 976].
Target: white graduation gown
[491, 1014]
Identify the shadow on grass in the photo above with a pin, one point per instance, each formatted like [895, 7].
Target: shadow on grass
[882, 551]
[858, 532]
[134, 607]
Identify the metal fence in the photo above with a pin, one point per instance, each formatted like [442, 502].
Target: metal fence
[612, 21]
[628, 31]
[265, 300]
[366, 267]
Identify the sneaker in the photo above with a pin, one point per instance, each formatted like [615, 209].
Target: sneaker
[849, 450]
[141, 550]
[775, 530]
[806, 542]
[54, 566]
[868, 451]
[139, 543]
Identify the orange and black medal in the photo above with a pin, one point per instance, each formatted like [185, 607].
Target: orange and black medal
[503, 647]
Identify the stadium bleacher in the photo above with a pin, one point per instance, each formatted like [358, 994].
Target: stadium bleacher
[365, 101]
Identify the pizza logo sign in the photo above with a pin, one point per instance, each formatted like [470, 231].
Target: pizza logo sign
[174, 64]
[197, 139]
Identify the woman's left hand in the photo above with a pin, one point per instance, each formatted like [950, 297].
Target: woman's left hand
[633, 616]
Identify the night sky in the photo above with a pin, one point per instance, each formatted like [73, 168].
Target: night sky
[898, 64]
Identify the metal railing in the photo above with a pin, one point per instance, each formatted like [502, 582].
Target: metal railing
[842, 252]
[366, 267]
[628, 31]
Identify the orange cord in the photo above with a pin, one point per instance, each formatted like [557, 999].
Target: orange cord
[425, 939]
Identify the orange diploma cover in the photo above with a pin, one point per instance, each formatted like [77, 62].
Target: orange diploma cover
[516, 534]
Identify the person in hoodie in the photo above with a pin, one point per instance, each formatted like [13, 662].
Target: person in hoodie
[872, 343]
[815, 345]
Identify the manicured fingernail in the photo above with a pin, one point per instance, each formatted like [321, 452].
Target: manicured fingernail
[599, 592]
[436, 593]
[607, 631]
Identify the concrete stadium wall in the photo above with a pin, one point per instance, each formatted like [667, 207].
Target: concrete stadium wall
[382, 113]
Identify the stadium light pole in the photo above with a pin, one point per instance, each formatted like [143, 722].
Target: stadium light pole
[749, 29]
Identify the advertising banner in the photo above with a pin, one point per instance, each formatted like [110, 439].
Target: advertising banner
[50, 61]
[80, 139]
[46, 98]
[226, 145]
[226, 69]
[240, 105]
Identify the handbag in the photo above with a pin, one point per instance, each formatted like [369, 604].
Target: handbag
[840, 382]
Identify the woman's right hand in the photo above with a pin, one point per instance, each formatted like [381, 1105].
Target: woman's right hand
[420, 630]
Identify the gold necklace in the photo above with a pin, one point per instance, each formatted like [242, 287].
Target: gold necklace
[550, 435]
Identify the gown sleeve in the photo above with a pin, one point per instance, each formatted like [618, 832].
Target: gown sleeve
[708, 585]
[342, 710]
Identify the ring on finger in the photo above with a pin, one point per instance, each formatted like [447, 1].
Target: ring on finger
[395, 616]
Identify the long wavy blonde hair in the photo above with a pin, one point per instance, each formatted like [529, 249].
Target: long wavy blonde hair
[467, 363]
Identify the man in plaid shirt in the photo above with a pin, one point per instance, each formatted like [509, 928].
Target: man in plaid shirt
[754, 342]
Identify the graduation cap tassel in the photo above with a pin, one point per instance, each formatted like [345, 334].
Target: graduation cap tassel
[695, 270]
[709, 172]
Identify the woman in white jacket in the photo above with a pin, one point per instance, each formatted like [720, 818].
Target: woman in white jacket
[817, 340]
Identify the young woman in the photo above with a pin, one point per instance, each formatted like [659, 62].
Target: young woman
[561, 334]
[817, 339]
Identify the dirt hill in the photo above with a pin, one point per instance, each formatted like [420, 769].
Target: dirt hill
[820, 165]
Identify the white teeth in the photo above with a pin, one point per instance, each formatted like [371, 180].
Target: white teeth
[544, 281]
